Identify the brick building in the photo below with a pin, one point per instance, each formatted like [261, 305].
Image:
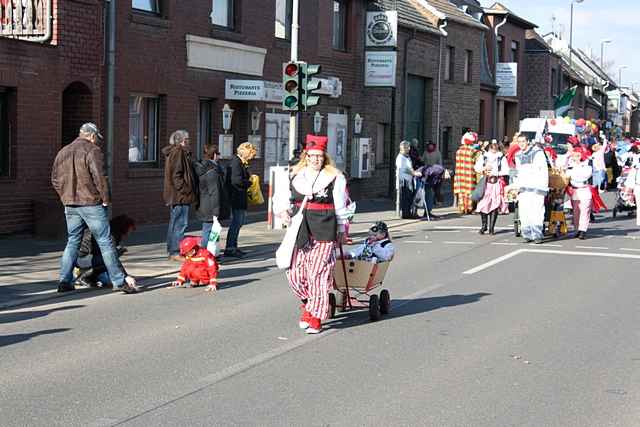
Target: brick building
[177, 68]
[544, 75]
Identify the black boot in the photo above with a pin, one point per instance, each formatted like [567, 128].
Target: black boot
[493, 218]
[483, 228]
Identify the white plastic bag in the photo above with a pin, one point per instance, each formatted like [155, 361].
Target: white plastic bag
[214, 237]
[284, 254]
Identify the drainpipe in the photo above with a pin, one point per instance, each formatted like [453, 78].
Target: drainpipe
[495, 78]
[405, 79]
[443, 34]
[111, 84]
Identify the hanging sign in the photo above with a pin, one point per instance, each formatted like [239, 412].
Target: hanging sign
[380, 69]
[382, 29]
[507, 78]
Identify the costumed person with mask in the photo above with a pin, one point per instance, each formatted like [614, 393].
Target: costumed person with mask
[406, 183]
[321, 187]
[532, 180]
[433, 157]
[585, 198]
[494, 167]
[464, 180]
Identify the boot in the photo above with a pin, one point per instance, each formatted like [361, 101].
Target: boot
[493, 218]
[483, 218]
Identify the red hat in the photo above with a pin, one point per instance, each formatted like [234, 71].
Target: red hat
[584, 153]
[317, 143]
[469, 138]
[188, 244]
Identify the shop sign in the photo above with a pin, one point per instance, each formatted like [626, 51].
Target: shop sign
[380, 69]
[382, 29]
[507, 78]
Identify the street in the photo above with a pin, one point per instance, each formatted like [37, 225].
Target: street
[483, 331]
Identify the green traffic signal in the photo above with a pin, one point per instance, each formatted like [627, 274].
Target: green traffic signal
[309, 85]
[291, 84]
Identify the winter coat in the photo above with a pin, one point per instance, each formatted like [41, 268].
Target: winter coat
[238, 183]
[78, 174]
[179, 183]
[212, 198]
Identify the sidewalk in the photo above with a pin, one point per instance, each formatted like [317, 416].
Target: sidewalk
[29, 268]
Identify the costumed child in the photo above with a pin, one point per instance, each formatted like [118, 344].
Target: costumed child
[200, 267]
[377, 247]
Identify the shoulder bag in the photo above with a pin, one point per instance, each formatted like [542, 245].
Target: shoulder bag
[284, 254]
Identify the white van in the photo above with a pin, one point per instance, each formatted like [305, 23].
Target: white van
[533, 128]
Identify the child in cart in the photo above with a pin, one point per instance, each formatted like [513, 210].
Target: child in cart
[377, 247]
[199, 268]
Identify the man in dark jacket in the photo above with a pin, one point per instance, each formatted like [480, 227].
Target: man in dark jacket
[238, 183]
[79, 179]
[179, 189]
[212, 200]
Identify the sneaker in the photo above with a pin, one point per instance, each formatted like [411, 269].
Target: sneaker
[582, 235]
[304, 318]
[538, 241]
[65, 287]
[128, 289]
[315, 326]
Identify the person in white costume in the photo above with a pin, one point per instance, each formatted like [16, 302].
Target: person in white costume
[532, 181]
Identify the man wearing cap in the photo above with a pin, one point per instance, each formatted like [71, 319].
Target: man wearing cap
[79, 179]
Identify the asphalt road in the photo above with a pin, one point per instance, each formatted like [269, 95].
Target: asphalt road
[484, 331]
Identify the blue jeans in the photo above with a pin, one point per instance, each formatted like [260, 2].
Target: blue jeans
[206, 230]
[94, 217]
[177, 226]
[238, 218]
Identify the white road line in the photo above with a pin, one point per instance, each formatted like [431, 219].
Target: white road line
[547, 251]
[630, 249]
[550, 245]
[602, 248]
[465, 227]
[446, 231]
[418, 241]
[459, 243]
[505, 243]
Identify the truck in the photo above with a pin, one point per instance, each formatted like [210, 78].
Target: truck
[533, 129]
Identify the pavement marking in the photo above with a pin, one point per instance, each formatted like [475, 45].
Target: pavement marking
[630, 249]
[552, 245]
[604, 248]
[418, 241]
[505, 243]
[465, 227]
[447, 231]
[458, 243]
[546, 251]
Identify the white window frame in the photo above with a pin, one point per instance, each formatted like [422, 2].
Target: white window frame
[148, 129]
[283, 19]
[154, 6]
[226, 18]
[339, 9]
[468, 63]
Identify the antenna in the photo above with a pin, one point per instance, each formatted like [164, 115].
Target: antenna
[553, 25]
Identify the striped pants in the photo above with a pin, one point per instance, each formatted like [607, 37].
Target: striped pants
[311, 276]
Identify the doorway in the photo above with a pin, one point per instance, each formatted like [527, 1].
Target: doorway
[77, 109]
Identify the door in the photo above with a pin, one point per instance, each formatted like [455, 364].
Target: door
[276, 141]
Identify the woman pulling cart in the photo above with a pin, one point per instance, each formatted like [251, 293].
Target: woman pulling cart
[319, 189]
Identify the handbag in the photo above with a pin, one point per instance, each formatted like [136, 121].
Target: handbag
[254, 193]
[284, 254]
[214, 237]
[478, 193]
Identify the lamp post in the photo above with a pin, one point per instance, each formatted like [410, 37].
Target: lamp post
[317, 122]
[357, 124]
[602, 43]
[227, 116]
[622, 67]
[571, 34]
[255, 120]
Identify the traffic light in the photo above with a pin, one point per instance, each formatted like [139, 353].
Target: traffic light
[291, 84]
[309, 85]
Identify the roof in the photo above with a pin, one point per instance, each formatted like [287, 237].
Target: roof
[452, 12]
[409, 15]
[535, 42]
[500, 9]
[426, 14]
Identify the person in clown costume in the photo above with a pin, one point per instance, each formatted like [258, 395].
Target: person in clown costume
[532, 181]
[199, 268]
[321, 187]
[464, 180]
[494, 166]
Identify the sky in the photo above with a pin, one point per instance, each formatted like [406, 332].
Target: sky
[593, 21]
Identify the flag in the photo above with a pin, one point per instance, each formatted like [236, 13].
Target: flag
[563, 102]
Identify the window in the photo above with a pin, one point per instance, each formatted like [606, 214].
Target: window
[152, 6]
[143, 128]
[204, 125]
[449, 62]
[222, 13]
[554, 79]
[446, 142]
[500, 49]
[284, 16]
[481, 124]
[415, 123]
[339, 24]
[515, 51]
[468, 65]
[5, 135]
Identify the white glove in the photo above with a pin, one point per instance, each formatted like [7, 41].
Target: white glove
[131, 281]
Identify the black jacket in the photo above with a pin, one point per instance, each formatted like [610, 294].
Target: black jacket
[212, 199]
[238, 182]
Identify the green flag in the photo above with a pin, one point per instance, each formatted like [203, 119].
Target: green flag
[563, 102]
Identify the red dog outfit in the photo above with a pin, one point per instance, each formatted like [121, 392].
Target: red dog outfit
[199, 269]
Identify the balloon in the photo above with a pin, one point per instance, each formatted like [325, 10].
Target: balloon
[553, 122]
[573, 121]
[567, 119]
[581, 122]
[579, 129]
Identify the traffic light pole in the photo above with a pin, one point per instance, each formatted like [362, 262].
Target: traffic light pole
[293, 119]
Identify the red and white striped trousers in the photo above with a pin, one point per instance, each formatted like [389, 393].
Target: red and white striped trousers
[311, 276]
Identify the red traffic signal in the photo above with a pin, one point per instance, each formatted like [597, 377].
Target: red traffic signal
[291, 70]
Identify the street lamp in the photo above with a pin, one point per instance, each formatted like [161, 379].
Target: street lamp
[317, 122]
[227, 115]
[602, 43]
[571, 34]
[622, 67]
[255, 120]
[357, 124]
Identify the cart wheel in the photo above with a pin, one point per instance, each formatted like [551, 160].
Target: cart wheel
[385, 302]
[614, 212]
[332, 305]
[374, 308]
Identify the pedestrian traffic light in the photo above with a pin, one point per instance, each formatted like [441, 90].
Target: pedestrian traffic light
[309, 85]
[291, 85]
